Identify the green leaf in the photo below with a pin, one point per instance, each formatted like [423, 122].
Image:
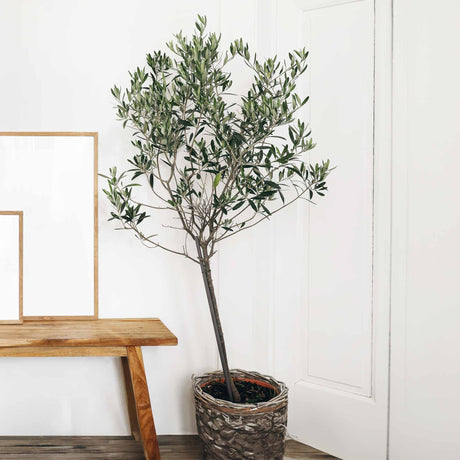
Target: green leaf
[238, 205]
[217, 179]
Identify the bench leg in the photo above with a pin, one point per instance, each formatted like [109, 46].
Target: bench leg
[138, 382]
[132, 413]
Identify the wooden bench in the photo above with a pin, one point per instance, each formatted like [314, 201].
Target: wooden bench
[102, 337]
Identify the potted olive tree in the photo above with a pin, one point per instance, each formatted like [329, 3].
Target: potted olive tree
[217, 162]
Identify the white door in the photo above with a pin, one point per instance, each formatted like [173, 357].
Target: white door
[331, 291]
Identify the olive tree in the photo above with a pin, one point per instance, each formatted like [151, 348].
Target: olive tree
[215, 160]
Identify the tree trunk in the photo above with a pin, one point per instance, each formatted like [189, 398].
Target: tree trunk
[212, 301]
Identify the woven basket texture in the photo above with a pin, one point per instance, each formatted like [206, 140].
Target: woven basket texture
[231, 431]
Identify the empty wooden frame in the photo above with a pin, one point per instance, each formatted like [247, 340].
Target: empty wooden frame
[52, 177]
[11, 267]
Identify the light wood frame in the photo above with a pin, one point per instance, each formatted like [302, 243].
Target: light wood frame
[21, 257]
[94, 135]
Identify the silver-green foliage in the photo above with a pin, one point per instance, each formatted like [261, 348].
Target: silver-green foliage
[212, 158]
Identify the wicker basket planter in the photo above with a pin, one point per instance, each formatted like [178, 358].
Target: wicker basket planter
[232, 431]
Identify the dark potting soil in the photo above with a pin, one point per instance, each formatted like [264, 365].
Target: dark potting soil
[250, 392]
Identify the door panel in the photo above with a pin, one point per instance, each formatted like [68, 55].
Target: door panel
[339, 302]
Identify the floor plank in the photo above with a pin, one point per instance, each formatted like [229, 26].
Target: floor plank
[121, 448]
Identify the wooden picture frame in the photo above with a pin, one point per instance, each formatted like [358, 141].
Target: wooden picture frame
[50, 310]
[10, 288]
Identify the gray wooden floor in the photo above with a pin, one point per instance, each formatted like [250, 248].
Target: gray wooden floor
[120, 448]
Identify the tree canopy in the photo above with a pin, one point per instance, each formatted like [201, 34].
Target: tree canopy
[215, 159]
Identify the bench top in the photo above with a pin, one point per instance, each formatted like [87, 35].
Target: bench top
[87, 333]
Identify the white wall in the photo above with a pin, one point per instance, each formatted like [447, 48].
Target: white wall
[59, 59]
[425, 359]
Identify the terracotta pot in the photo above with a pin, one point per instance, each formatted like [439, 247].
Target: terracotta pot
[231, 431]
